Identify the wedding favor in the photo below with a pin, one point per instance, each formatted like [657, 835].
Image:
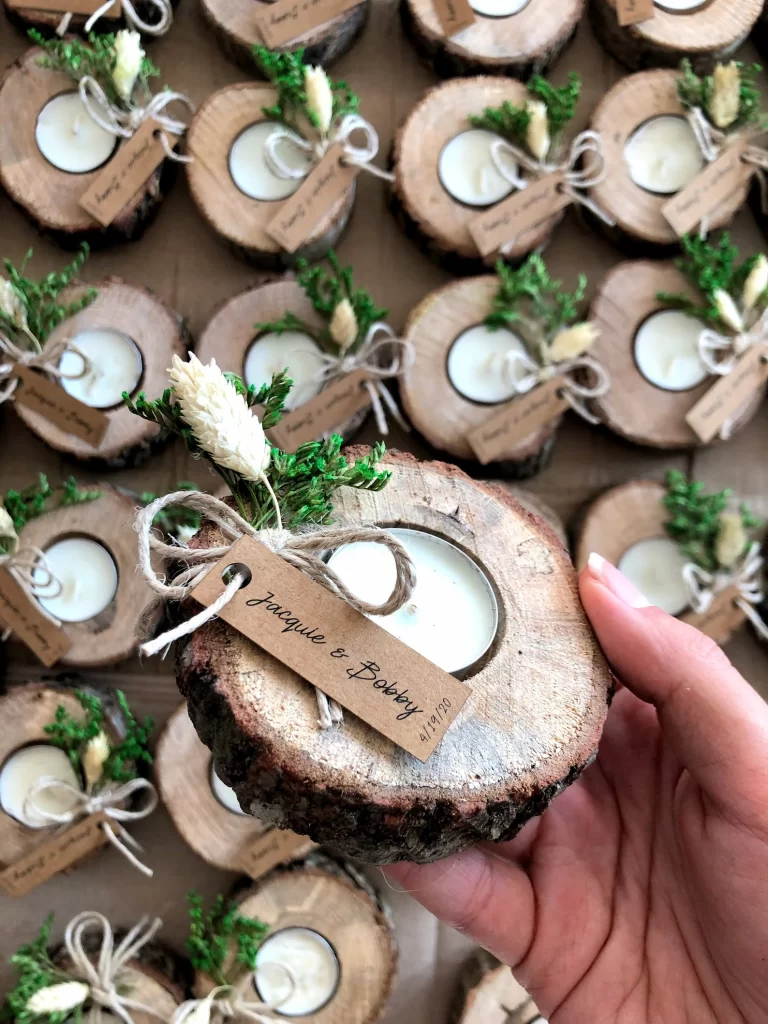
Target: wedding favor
[497, 360]
[685, 345]
[89, 161]
[532, 503]
[148, 17]
[487, 992]
[687, 551]
[659, 33]
[69, 781]
[495, 37]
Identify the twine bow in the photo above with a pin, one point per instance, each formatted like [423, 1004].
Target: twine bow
[108, 801]
[200, 1011]
[703, 587]
[30, 569]
[11, 355]
[301, 550]
[131, 16]
[720, 352]
[575, 393]
[359, 156]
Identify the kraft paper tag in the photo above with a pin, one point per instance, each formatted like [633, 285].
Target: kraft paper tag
[518, 213]
[273, 848]
[454, 16]
[385, 683]
[708, 190]
[75, 6]
[632, 12]
[50, 400]
[729, 394]
[125, 173]
[721, 618]
[286, 20]
[301, 213]
[516, 420]
[21, 613]
[323, 413]
[57, 854]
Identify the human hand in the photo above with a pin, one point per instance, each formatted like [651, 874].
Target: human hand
[641, 894]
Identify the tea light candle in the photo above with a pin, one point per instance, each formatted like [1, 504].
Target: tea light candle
[88, 577]
[69, 138]
[250, 171]
[292, 351]
[663, 155]
[452, 616]
[313, 964]
[498, 8]
[20, 773]
[225, 794]
[467, 172]
[666, 350]
[115, 366]
[475, 363]
[655, 566]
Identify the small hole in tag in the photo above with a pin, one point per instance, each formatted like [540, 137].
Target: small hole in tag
[156, 134]
[237, 569]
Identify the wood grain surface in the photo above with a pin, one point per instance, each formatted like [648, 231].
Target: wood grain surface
[487, 993]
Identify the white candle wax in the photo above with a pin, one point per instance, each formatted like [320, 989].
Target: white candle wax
[663, 155]
[498, 8]
[677, 6]
[467, 172]
[22, 770]
[88, 577]
[475, 363]
[292, 350]
[655, 566]
[115, 366]
[666, 350]
[224, 793]
[69, 138]
[452, 616]
[250, 171]
[314, 966]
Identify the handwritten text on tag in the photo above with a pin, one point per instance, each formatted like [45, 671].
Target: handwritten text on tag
[454, 16]
[61, 852]
[708, 190]
[21, 613]
[516, 420]
[63, 6]
[323, 413]
[275, 847]
[729, 394]
[47, 398]
[286, 20]
[520, 212]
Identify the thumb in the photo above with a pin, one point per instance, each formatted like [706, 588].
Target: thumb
[712, 718]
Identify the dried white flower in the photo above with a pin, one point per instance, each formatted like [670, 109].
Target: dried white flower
[731, 539]
[221, 421]
[184, 534]
[319, 97]
[728, 311]
[128, 58]
[58, 998]
[756, 283]
[343, 325]
[11, 304]
[572, 342]
[201, 1014]
[7, 529]
[96, 753]
[725, 99]
[537, 133]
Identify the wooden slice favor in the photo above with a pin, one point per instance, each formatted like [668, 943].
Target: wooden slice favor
[46, 22]
[651, 154]
[427, 212]
[48, 195]
[130, 337]
[531, 724]
[532, 503]
[430, 395]
[513, 37]
[227, 145]
[91, 549]
[650, 352]
[488, 994]
[705, 31]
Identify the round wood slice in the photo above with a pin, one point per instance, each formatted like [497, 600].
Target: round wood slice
[521, 45]
[427, 213]
[633, 407]
[46, 22]
[158, 332]
[640, 224]
[112, 635]
[528, 729]
[433, 405]
[143, 981]
[239, 220]
[706, 35]
[48, 196]
[488, 994]
[234, 25]
[532, 503]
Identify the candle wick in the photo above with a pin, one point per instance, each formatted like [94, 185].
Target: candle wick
[76, 125]
[412, 608]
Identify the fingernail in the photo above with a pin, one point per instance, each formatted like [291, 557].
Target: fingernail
[601, 570]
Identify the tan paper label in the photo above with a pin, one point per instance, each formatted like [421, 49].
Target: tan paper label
[729, 394]
[713, 186]
[49, 399]
[721, 618]
[286, 20]
[301, 213]
[515, 420]
[273, 848]
[632, 12]
[62, 6]
[21, 613]
[323, 413]
[57, 854]
[454, 16]
[518, 213]
[347, 656]
[125, 173]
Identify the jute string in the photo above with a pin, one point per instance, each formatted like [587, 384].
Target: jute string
[30, 569]
[358, 156]
[132, 18]
[301, 550]
[703, 587]
[48, 361]
[224, 1002]
[720, 353]
[575, 393]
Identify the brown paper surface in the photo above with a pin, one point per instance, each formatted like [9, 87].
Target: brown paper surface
[57, 854]
[518, 213]
[347, 656]
[125, 173]
[454, 15]
[323, 413]
[21, 613]
[720, 179]
[722, 617]
[273, 848]
[515, 420]
[49, 399]
[729, 394]
[632, 12]
[285, 20]
[75, 6]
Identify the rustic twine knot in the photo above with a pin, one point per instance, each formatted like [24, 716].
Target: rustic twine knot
[224, 1007]
[11, 355]
[132, 18]
[746, 576]
[713, 142]
[575, 393]
[720, 353]
[302, 550]
[109, 801]
[358, 156]
[30, 569]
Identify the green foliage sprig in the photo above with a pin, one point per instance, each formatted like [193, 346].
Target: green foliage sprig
[216, 935]
[36, 971]
[39, 499]
[695, 91]
[287, 71]
[511, 121]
